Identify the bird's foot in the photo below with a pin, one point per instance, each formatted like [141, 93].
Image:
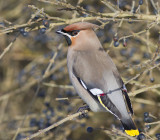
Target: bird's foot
[82, 109]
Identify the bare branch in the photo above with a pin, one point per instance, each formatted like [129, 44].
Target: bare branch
[70, 117]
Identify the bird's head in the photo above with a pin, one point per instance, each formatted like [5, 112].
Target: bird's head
[79, 34]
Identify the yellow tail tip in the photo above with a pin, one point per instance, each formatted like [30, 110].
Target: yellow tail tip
[132, 132]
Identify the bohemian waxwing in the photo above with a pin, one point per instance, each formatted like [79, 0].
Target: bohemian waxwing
[95, 76]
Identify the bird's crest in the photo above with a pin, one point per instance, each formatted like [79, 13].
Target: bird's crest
[81, 26]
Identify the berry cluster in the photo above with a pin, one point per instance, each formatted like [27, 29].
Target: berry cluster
[147, 118]
[43, 122]
[116, 41]
[45, 22]
[141, 137]
[158, 136]
[23, 32]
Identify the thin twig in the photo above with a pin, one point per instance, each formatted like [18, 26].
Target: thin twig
[52, 60]
[152, 123]
[59, 86]
[7, 49]
[134, 93]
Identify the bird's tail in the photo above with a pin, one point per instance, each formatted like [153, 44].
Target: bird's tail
[130, 127]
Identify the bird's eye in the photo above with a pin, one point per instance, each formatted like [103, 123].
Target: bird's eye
[74, 32]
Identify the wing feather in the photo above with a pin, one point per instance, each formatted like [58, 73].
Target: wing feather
[124, 90]
[102, 98]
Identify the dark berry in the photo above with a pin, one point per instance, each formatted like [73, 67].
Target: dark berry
[134, 10]
[21, 30]
[42, 30]
[148, 127]
[41, 93]
[83, 124]
[115, 38]
[74, 126]
[116, 43]
[2, 24]
[157, 61]
[44, 111]
[51, 111]
[146, 55]
[141, 137]
[152, 80]
[47, 104]
[69, 93]
[48, 117]
[59, 118]
[20, 136]
[139, 129]
[36, 17]
[89, 129]
[25, 34]
[123, 52]
[140, 2]
[148, 119]
[121, 128]
[146, 114]
[46, 23]
[48, 124]
[124, 43]
[59, 108]
[33, 122]
[41, 123]
[158, 135]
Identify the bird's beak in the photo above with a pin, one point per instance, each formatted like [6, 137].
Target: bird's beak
[59, 32]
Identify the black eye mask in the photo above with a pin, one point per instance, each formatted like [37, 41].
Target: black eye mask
[71, 33]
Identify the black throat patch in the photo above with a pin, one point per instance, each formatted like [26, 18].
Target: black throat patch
[71, 33]
[69, 42]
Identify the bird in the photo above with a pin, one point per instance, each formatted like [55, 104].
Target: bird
[94, 75]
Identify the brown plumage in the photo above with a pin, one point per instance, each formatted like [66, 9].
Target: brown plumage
[80, 26]
[95, 76]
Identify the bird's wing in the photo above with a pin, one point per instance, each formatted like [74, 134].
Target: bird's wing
[100, 97]
[124, 90]
[97, 77]
[121, 84]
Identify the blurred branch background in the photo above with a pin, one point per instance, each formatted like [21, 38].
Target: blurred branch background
[35, 91]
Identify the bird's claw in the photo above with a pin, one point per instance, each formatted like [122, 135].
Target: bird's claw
[82, 109]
